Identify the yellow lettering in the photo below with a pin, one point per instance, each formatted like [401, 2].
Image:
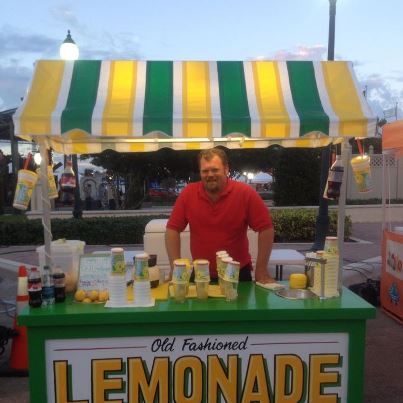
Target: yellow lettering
[101, 384]
[218, 378]
[62, 383]
[289, 378]
[184, 367]
[256, 381]
[142, 384]
[319, 379]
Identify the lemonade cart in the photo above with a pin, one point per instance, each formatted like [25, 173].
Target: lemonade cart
[258, 347]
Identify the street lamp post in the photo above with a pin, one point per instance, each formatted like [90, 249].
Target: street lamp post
[69, 51]
[322, 219]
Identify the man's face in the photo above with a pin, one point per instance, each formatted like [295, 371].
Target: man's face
[213, 174]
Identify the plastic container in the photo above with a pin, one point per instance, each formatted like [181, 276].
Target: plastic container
[65, 254]
[362, 173]
[298, 281]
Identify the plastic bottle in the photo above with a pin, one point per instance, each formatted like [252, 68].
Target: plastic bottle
[334, 180]
[60, 285]
[35, 288]
[68, 178]
[48, 288]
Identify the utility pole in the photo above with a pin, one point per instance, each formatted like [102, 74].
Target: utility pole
[322, 219]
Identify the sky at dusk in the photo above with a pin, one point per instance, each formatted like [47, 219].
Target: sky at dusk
[368, 32]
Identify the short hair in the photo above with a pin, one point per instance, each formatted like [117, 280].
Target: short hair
[212, 152]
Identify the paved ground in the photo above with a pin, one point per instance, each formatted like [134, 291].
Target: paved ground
[384, 347]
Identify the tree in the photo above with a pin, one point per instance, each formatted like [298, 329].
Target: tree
[138, 169]
[297, 177]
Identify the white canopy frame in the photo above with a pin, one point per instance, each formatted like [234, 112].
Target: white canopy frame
[46, 214]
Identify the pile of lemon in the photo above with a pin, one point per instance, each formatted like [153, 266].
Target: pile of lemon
[87, 297]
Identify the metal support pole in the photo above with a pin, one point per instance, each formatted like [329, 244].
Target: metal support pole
[14, 153]
[46, 222]
[77, 209]
[342, 212]
[322, 219]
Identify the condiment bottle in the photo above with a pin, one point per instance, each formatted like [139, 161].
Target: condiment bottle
[60, 285]
[34, 288]
[334, 180]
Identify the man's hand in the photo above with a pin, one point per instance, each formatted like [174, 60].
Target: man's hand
[173, 247]
[265, 244]
[264, 278]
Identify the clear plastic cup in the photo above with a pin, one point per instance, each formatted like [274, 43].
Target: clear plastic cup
[224, 261]
[26, 182]
[202, 289]
[201, 269]
[231, 290]
[362, 173]
[180, 291]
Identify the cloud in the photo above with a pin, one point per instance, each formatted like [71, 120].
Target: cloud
[121, 45]
[14, 80]
[66, 16]
[13, 42]
[317, 52]
[381, 93]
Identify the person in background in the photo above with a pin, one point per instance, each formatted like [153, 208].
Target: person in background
[111, 197]
[219, 212]
[3, 180]
[88, 196]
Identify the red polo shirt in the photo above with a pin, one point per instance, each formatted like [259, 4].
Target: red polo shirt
[220, 225]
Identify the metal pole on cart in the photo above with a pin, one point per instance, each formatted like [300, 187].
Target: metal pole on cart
[342, 211]
[47, 233]
[322, 219]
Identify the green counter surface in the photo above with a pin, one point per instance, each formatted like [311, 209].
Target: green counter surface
[253, 304]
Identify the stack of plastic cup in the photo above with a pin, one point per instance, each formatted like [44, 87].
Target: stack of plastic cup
[231, 278]
[142, 286]
[117, 290]
[202, 277]
[223, 267]
[180, 280]
[142, 293]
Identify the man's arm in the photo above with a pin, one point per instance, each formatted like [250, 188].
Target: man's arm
[173, 247]
[264, 246]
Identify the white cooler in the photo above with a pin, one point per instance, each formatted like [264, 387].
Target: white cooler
[154, 242]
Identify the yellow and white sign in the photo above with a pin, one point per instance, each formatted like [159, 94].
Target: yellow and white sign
[233, 368]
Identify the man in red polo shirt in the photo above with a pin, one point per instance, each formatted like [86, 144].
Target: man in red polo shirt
[219, 212]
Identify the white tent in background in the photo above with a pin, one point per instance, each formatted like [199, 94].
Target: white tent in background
[262, 178]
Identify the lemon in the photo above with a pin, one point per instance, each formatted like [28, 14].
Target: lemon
[103, 296]
[79, 295]
[93, 295]
[86, 301]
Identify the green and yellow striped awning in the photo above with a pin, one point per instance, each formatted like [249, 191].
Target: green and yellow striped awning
[125, 105]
